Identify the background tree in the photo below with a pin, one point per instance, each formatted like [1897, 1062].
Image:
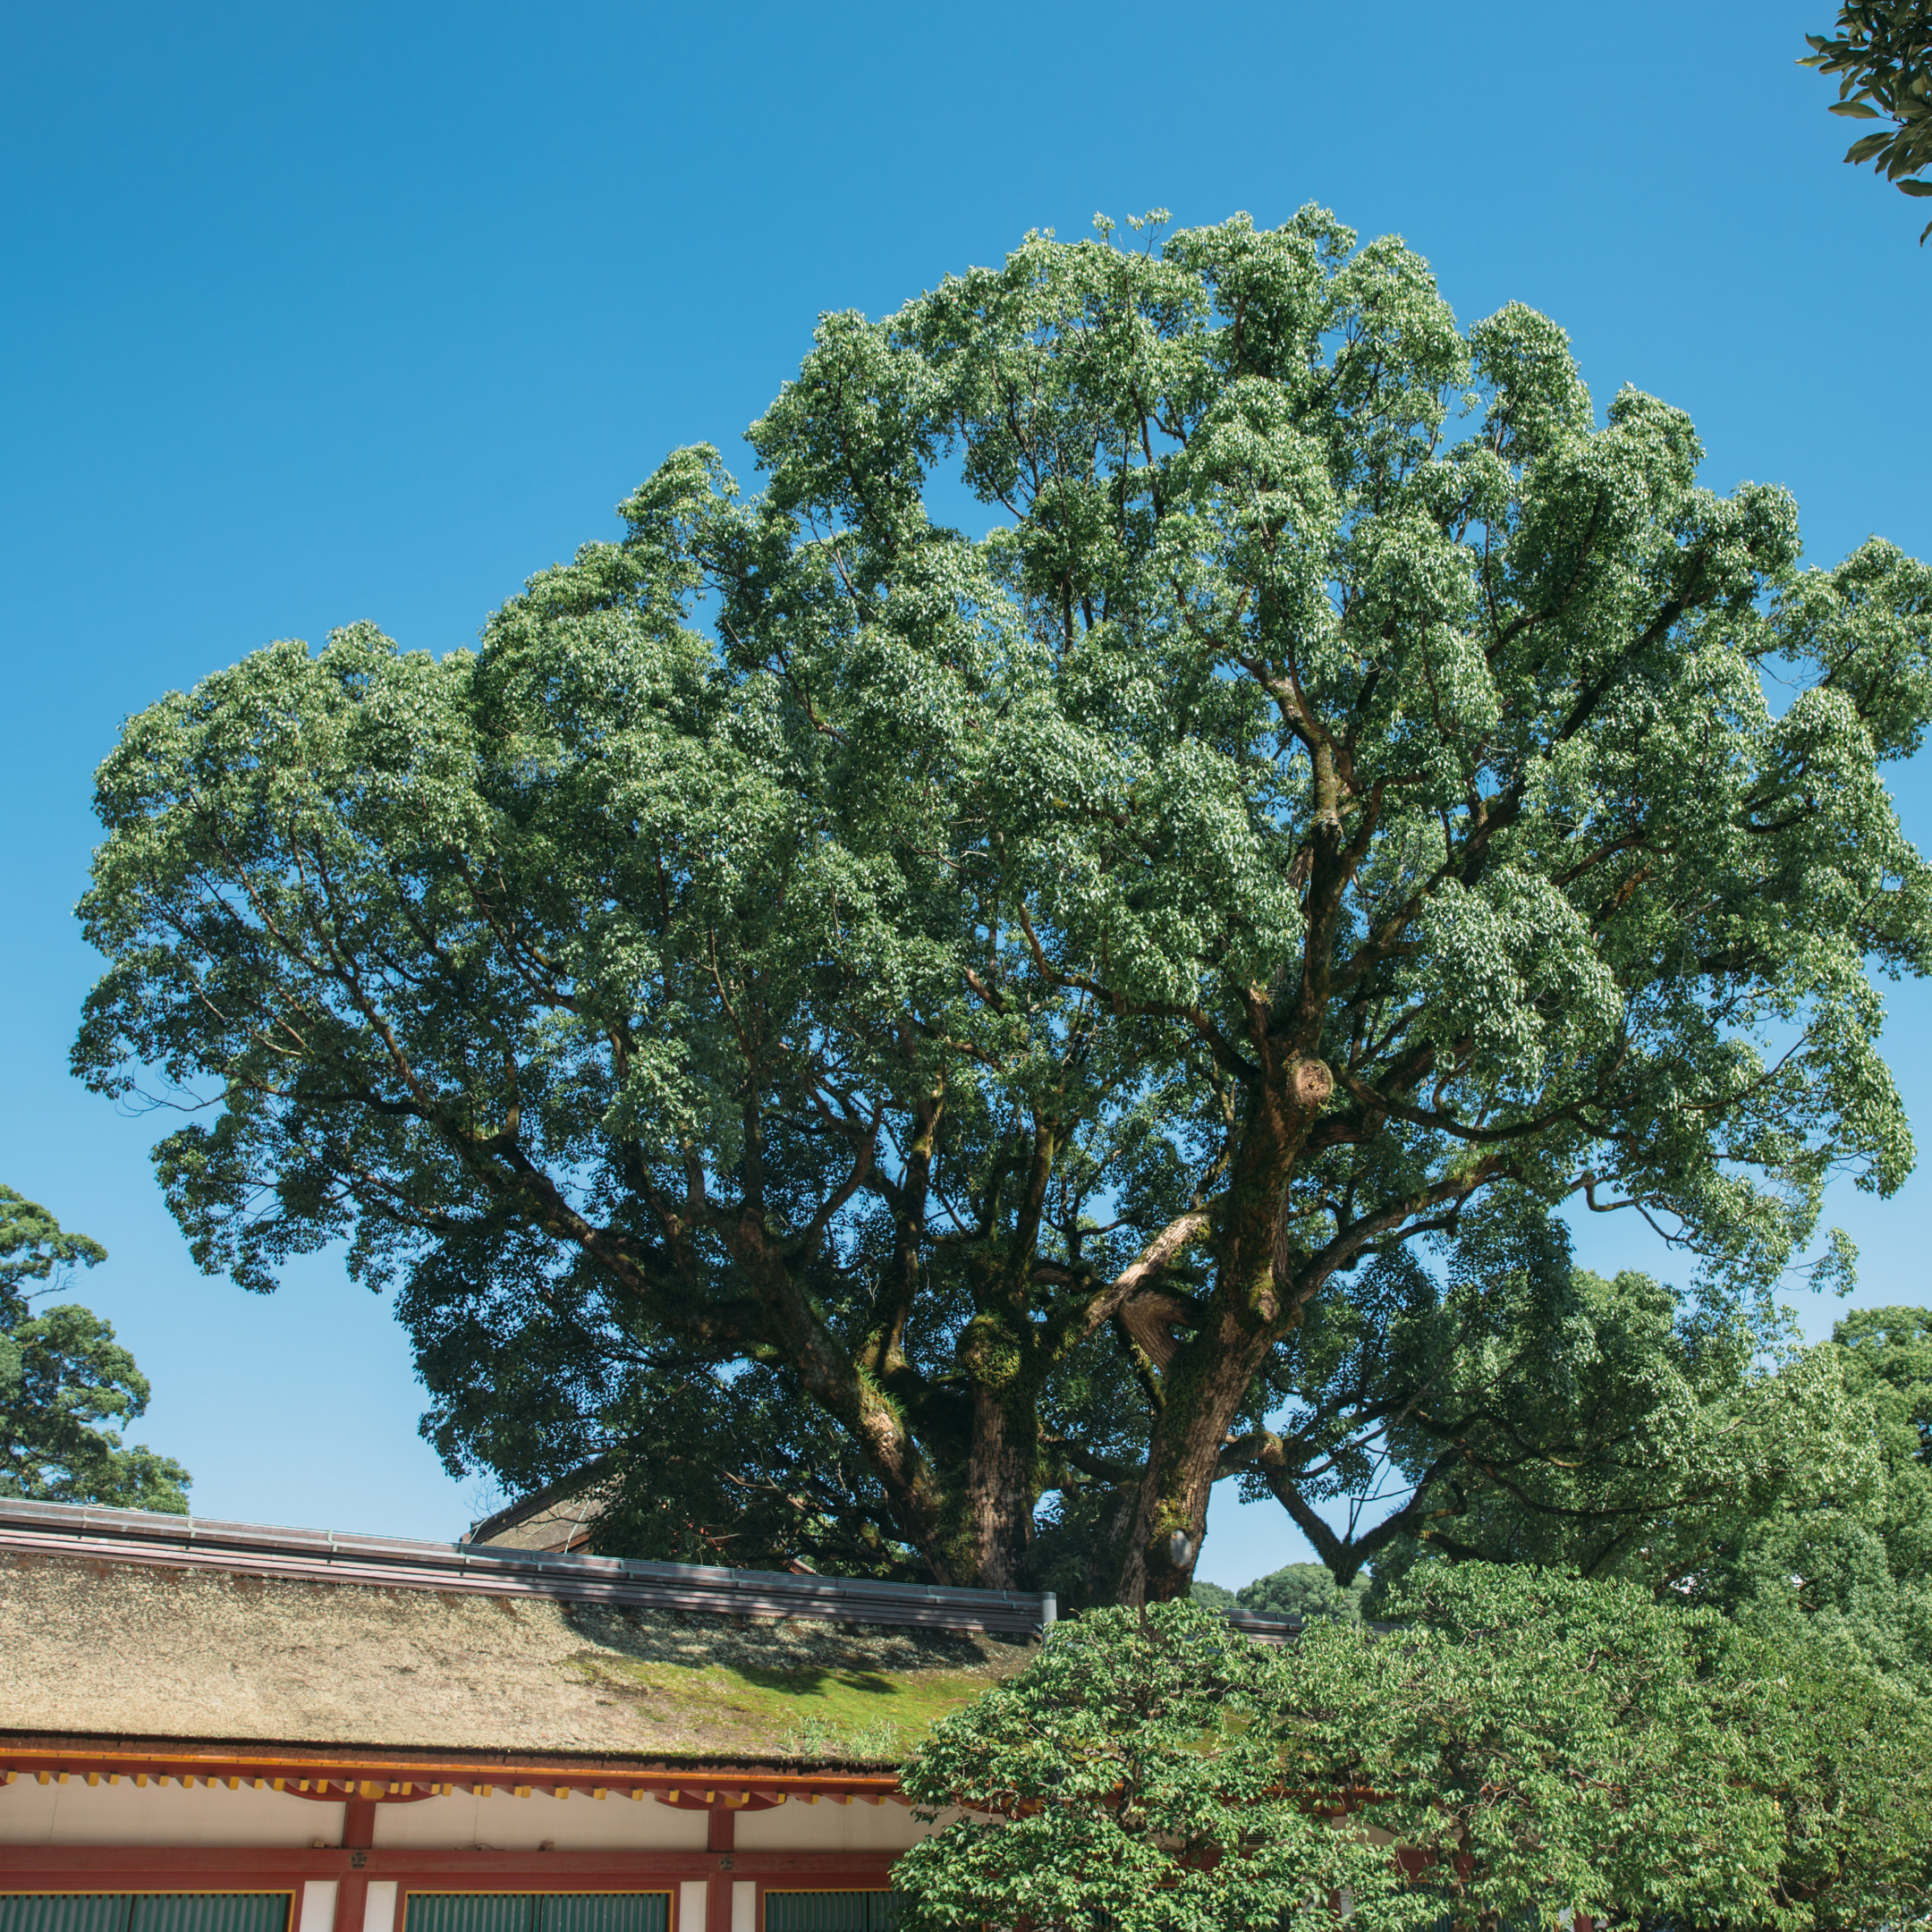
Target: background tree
[63, 1376]
[1303, 1589]
[1843, 1565]
[1010, 986]
[1790, 1490]
[1611, 1427]
[1883, 50]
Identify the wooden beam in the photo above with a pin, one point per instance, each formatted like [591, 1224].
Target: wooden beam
[387, 1778]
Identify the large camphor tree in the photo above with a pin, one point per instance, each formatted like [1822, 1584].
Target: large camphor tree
[1196, 787]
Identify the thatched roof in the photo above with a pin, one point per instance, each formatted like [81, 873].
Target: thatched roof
[560, 1517]
[116, 1623]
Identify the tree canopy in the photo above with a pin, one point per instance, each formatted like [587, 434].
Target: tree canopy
[64, 1382]
[1200, 803]
[1788, 1490]
[1843, 1563]
[1882, 50]
[1303, 1589]
[1536, 1744]
[1610, 1429]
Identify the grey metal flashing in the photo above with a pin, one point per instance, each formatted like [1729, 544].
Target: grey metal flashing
[395, 1563]
[1265, 1625]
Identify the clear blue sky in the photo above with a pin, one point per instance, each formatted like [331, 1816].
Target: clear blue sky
[310, 316]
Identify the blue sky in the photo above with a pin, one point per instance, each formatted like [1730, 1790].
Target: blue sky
[310, 316]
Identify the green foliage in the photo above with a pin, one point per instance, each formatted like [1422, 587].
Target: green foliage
[1882, 49]
[1607, 1427]
[1028, 993]
[1209, 1596]
[1538, 1745]
[1786, 1487]
[1304, 1590]
[1843, 1565]
[1845, 1755]
[1132, 1778]
[63, 1376]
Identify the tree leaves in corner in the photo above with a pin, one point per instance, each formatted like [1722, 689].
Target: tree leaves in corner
[1884, 54]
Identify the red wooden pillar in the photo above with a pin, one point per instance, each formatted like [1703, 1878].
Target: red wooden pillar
[721, 1838]
[359, 1833]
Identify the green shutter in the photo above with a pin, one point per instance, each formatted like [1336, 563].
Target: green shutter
[210, 1911]
[470, 1911]
[144, 1912]
[64, 1911]
[815, 1911]
[832, 1911]
[534, 1911]
[606, 1911]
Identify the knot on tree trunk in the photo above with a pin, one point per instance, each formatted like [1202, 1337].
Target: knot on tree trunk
[1311, 1083]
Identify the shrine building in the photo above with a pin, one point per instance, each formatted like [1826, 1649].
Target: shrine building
[218, 1727]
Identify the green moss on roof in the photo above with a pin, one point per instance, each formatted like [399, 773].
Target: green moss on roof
[845, 1712]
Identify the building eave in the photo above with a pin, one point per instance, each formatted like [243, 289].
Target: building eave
[339, 1773]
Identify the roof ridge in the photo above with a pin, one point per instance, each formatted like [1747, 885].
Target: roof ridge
[152, 1537]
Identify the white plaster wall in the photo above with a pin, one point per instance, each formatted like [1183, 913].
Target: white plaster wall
[78, 1813]
[795, 1825]
[318, 1906]
[504, 1822]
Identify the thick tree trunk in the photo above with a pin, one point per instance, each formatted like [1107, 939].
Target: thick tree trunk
[1000, 1493]
[1205, 1386]
[1211, 1372]
[1003, 1362]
